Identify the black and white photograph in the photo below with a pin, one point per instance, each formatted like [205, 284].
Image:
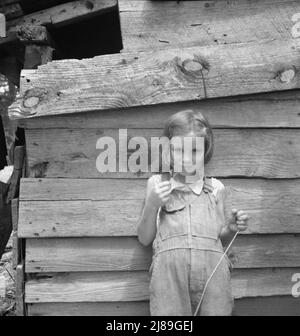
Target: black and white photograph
[149, 160]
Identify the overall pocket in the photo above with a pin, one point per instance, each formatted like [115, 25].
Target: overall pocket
[172, 221]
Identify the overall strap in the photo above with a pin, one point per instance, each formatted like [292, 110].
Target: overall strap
[207, 186]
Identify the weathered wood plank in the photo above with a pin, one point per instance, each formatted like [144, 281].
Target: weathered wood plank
[138, 308]
[94, 287]
[265, 306]
[127, 254]
[134, 286]
[20, 290]
[164, 76]
[165, 24]
[280, 109]
[100, 207]
[72, 153]
[268, 306]
[63, 14]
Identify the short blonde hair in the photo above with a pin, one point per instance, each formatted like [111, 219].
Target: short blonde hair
[186, 121]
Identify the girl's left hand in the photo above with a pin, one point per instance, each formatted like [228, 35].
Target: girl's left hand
[239, 220]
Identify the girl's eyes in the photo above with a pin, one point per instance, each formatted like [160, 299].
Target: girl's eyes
[179, 150]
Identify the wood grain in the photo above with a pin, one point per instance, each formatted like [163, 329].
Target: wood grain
[72, 153]
[268, 306]
[156, 77]
[134, 286]
[260, 306]
[63, 14]
[127, 254]
[104, 207]
[138, 308]
[165, 24]
[280, 109]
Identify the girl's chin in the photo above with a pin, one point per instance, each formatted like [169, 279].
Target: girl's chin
[187, 173]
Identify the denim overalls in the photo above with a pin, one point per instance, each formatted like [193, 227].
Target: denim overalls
[185, 251]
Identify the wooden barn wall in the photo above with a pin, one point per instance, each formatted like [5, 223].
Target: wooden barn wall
[80, 225]
[82, 252]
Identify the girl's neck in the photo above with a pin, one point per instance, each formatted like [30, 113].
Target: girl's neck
[187, 179]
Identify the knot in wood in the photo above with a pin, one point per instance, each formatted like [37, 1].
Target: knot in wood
[192, 66]
[31, 102]
[287, 75]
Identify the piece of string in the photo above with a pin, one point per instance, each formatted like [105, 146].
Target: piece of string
[213, 272]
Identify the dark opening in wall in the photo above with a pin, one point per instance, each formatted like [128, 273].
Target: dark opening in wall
[30, 6]
[98, 35]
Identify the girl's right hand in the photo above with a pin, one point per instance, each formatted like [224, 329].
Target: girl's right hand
[160, 194]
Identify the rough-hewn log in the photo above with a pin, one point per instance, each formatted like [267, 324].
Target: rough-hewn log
[173, 75]
[66, 13]
[280, 109]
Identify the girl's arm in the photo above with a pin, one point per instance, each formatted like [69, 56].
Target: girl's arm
[157, 195]
[235, 220]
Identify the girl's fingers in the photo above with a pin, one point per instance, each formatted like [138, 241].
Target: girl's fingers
[164, 184]
[165, 189]
[240, 213]
[165, 193]
[234, 211]
[242, 228]
[243, 217]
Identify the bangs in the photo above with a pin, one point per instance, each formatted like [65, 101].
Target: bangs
[187, 121]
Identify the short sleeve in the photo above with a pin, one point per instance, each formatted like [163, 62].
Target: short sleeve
[223, 197]
[150, 185]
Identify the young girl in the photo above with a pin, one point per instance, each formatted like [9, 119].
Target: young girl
[187, 224]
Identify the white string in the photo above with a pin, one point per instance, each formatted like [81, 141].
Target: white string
[213, 272]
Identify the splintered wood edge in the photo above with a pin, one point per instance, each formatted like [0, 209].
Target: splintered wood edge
[34, 100]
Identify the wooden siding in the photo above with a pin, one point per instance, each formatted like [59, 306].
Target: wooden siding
[82, 253]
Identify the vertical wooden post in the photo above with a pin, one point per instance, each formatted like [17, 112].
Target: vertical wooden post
[38, 51]
[38, 45]
[20, 289]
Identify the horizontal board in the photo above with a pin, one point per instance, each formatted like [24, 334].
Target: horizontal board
[260, 306]
[134, 286]
[268, 306]
[280, 109]
[165, 24]
[111, 207]
[127, 254]
[156, 77]
[271, 153]
[138, 308]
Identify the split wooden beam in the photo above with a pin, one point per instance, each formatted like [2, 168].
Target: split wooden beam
[39, 46]
[155, 77]
[67, 13]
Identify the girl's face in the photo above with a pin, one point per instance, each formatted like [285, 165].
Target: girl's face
[187, 154]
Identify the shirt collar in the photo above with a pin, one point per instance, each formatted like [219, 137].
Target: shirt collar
[196, 187]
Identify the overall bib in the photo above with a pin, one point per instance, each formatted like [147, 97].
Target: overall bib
[186, 249]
